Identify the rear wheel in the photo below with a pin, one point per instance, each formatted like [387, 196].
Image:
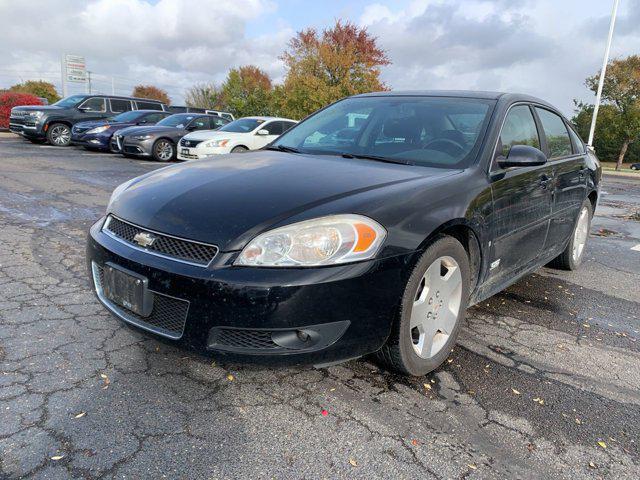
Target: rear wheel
[163, 150]
[573, 255]
[239, 149]
[59, 135]
[432, 310]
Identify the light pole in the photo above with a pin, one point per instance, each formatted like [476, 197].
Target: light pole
[603, 71]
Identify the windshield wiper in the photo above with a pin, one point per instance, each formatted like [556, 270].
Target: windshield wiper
[282, 148]
[374, 157]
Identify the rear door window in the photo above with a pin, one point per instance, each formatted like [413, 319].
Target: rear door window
[558, 140]
[200, 123]
[578, 144]
[95, 104]
[148, 105]
[519, 129]
[118, 105]
[217, 122]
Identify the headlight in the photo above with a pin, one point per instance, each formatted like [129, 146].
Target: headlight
[322, 241]
[99, 129]
[141, 137]
[37, 114]
[118, 190]
[217, 143]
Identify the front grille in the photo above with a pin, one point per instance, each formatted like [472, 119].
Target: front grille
[168, 246]
[235, 338]
[167, 318]
[190, 143]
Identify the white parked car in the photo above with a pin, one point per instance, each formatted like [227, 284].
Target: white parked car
[248, 133]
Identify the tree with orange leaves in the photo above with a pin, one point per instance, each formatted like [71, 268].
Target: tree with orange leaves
[322, 68]
[152, 92]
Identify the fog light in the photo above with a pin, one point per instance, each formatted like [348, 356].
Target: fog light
[302, 335]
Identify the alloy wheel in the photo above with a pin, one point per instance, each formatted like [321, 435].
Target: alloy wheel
[61, 135]
[581, 234]
[436, 306]
[164, 150]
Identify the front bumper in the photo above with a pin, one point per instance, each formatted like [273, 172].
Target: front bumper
[91, 140]
[139, 148]
[195, 153]
[26, 128]
[256, 313]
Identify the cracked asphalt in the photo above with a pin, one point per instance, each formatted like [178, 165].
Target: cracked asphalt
[544, 382]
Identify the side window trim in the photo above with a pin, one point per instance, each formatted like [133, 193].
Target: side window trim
[104, 104]
[493, 167]
[544, 134]
[121, 100]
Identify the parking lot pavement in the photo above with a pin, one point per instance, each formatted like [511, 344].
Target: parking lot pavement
[544, 383]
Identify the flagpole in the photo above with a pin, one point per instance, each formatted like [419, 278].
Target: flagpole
[603, 71]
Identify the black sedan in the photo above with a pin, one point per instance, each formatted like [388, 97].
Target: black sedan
[96, 134]
[325, 246]
[159, 141]
[635, 166]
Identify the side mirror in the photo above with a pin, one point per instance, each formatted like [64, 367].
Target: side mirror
[190, 128]
[523, 156]
[262, 131]
[84, 109]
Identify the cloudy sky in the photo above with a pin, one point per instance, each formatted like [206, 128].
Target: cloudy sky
[542, 47]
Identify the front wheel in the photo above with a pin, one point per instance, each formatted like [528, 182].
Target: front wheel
[163, 150]
[573, 255]
[59, 135]
[432, 310]
[239, 149]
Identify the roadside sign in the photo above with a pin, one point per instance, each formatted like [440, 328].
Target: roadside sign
[75, 69]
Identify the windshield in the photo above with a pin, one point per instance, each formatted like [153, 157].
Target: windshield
[242, 125]
[179, 120]
[127, 116]
[442, 132]
[70, 101]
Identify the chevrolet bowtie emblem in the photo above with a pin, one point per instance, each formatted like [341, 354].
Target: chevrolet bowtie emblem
[144, 239]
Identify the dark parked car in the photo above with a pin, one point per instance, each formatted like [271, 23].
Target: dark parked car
[635, 166]
[54, 122]
[97, 134]
[159, 141]
[321, 249]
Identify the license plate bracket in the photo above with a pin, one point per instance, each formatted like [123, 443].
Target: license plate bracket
[127, 289]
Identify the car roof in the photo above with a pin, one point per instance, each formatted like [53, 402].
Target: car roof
[479, 94]
[119, 97]
[268, 118]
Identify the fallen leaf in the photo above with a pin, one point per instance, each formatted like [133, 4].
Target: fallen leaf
[515, 391]
[539, 401]
[80, 415]
[57, 457]
[353, 462]
[414, 442]
[531, 447]
[450, 360]
[230, 377]
[578, 421]
[602, 444]
[592, 465]
[324, 413]
[472, 466]
[427, 386]
[105, 378]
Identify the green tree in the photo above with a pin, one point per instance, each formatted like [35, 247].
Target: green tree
[204, 95]
[322, 68]
[152, 92]
[621, 91]
[39, 88]
[247, 91]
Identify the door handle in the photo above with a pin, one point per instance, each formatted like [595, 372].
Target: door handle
[544, 181]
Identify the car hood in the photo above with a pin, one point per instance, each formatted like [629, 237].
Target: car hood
[153, 130]
[99, 123]
[44, 108]
[231, 198]
[212, 134]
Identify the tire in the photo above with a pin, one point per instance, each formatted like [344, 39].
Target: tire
[573, 255]
[59, 135]
[163, 150]
[401, 351]
[239, 149]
